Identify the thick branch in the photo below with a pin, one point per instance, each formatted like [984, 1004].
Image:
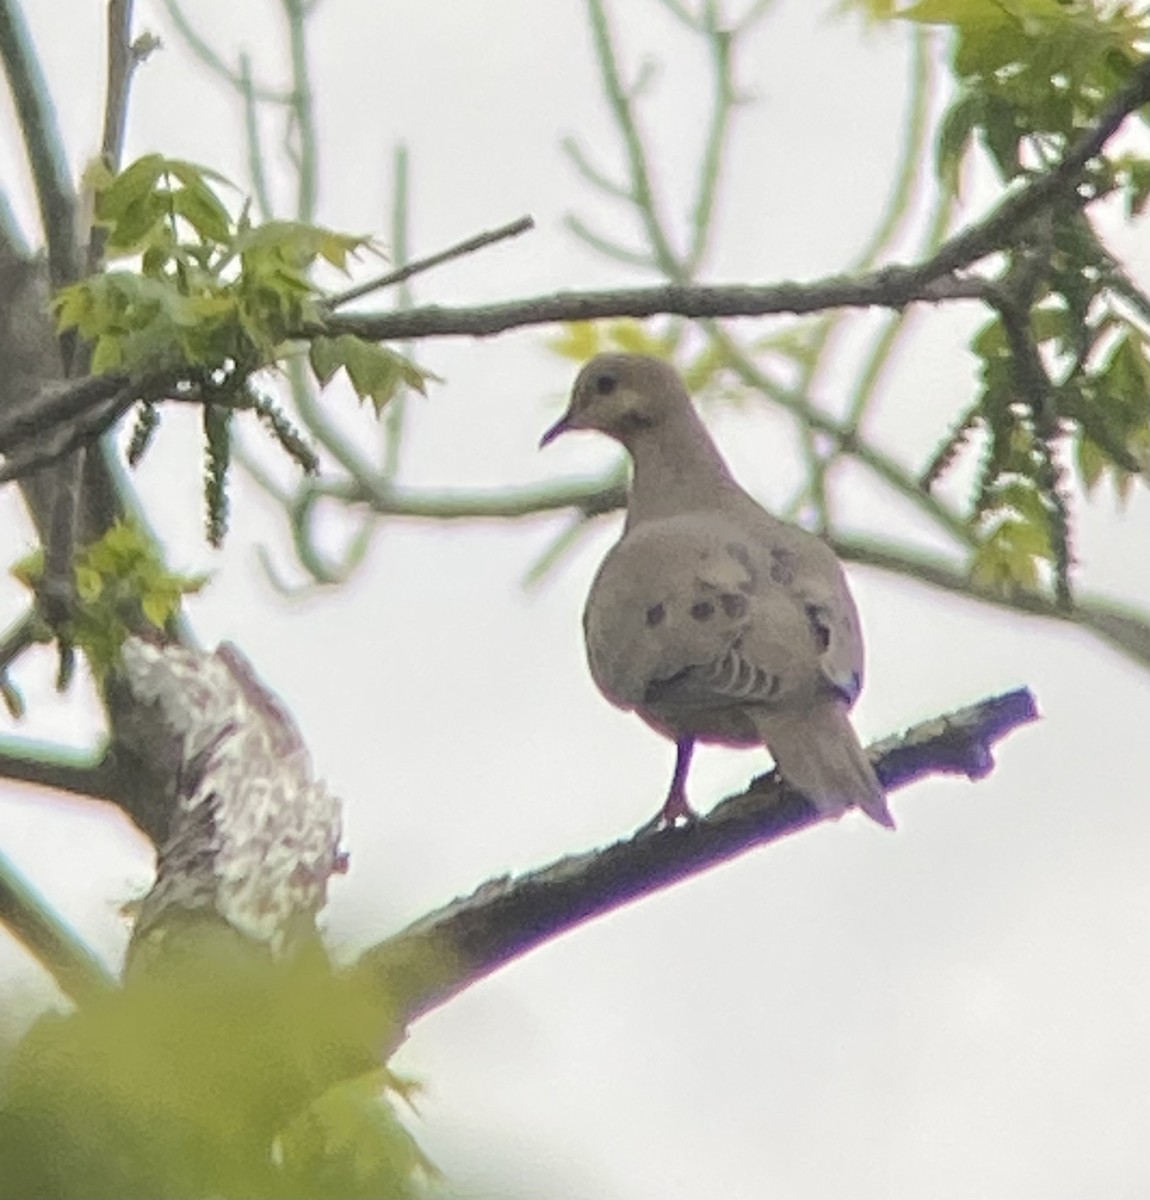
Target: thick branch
[892, 287]
[449, 950]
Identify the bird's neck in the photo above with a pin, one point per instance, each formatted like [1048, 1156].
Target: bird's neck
[678, 471]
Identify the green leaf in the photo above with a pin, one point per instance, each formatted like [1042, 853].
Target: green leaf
[1091, 461]
[1049, 323]
[351, 1138]
[326, 358]
[108, 356]
[1137, 186]
[1007, 560]
[372, 370]
[955, 136]
[29, 570]
[138, 228]
[1002, 135]
[129, 188]
[375, 372]
[215, 1072]
[202, 209]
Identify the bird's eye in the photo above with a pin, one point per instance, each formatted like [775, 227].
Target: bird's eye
[605, 384]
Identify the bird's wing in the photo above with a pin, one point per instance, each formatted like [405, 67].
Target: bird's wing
[806, 568]
[684, 615]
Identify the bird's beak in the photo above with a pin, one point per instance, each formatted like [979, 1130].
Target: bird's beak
[560, 426]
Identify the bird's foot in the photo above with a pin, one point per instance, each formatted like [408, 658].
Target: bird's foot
[676, 813]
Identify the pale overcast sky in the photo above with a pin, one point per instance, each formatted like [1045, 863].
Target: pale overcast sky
[958, 1010]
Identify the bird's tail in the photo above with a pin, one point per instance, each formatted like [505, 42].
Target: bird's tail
[818, 752]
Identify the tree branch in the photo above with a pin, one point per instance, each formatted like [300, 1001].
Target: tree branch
[1125, 628]
[54, 191]
[983, 237]
[77, 971]
[449, 950]
[124, 56]
[894, 286]
[891, 287]
[416, 266]
[60, 768]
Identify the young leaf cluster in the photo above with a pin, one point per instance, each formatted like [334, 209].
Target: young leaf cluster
[375, 372]
[122, 586]
[209, 300]
[1068, 382]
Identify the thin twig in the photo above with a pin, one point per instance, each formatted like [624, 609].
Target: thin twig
[256, 170]
[123, 58]
[300, 103]
[419, 265]
[1125, 628]
[200, 47]
[642, 191]
[395, 420]
[21, 636]
[722, 44]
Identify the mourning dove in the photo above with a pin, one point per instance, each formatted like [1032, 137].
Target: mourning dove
[710, 618]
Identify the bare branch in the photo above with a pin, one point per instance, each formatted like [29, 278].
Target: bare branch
[891, 287]
[894, 286]
[54, 191]
[123, 57]
[202, 49]
[417, 266]
[77, 971]
[1123, 627]
[20, 636]
[57, 768]
[83, 428]
[449, 950]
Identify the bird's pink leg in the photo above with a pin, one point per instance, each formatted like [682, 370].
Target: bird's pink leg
[676, 806]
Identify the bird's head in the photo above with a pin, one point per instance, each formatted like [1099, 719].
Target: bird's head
[623, 396]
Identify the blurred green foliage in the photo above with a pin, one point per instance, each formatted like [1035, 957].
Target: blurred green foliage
[214, 1072]
[211, 301]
